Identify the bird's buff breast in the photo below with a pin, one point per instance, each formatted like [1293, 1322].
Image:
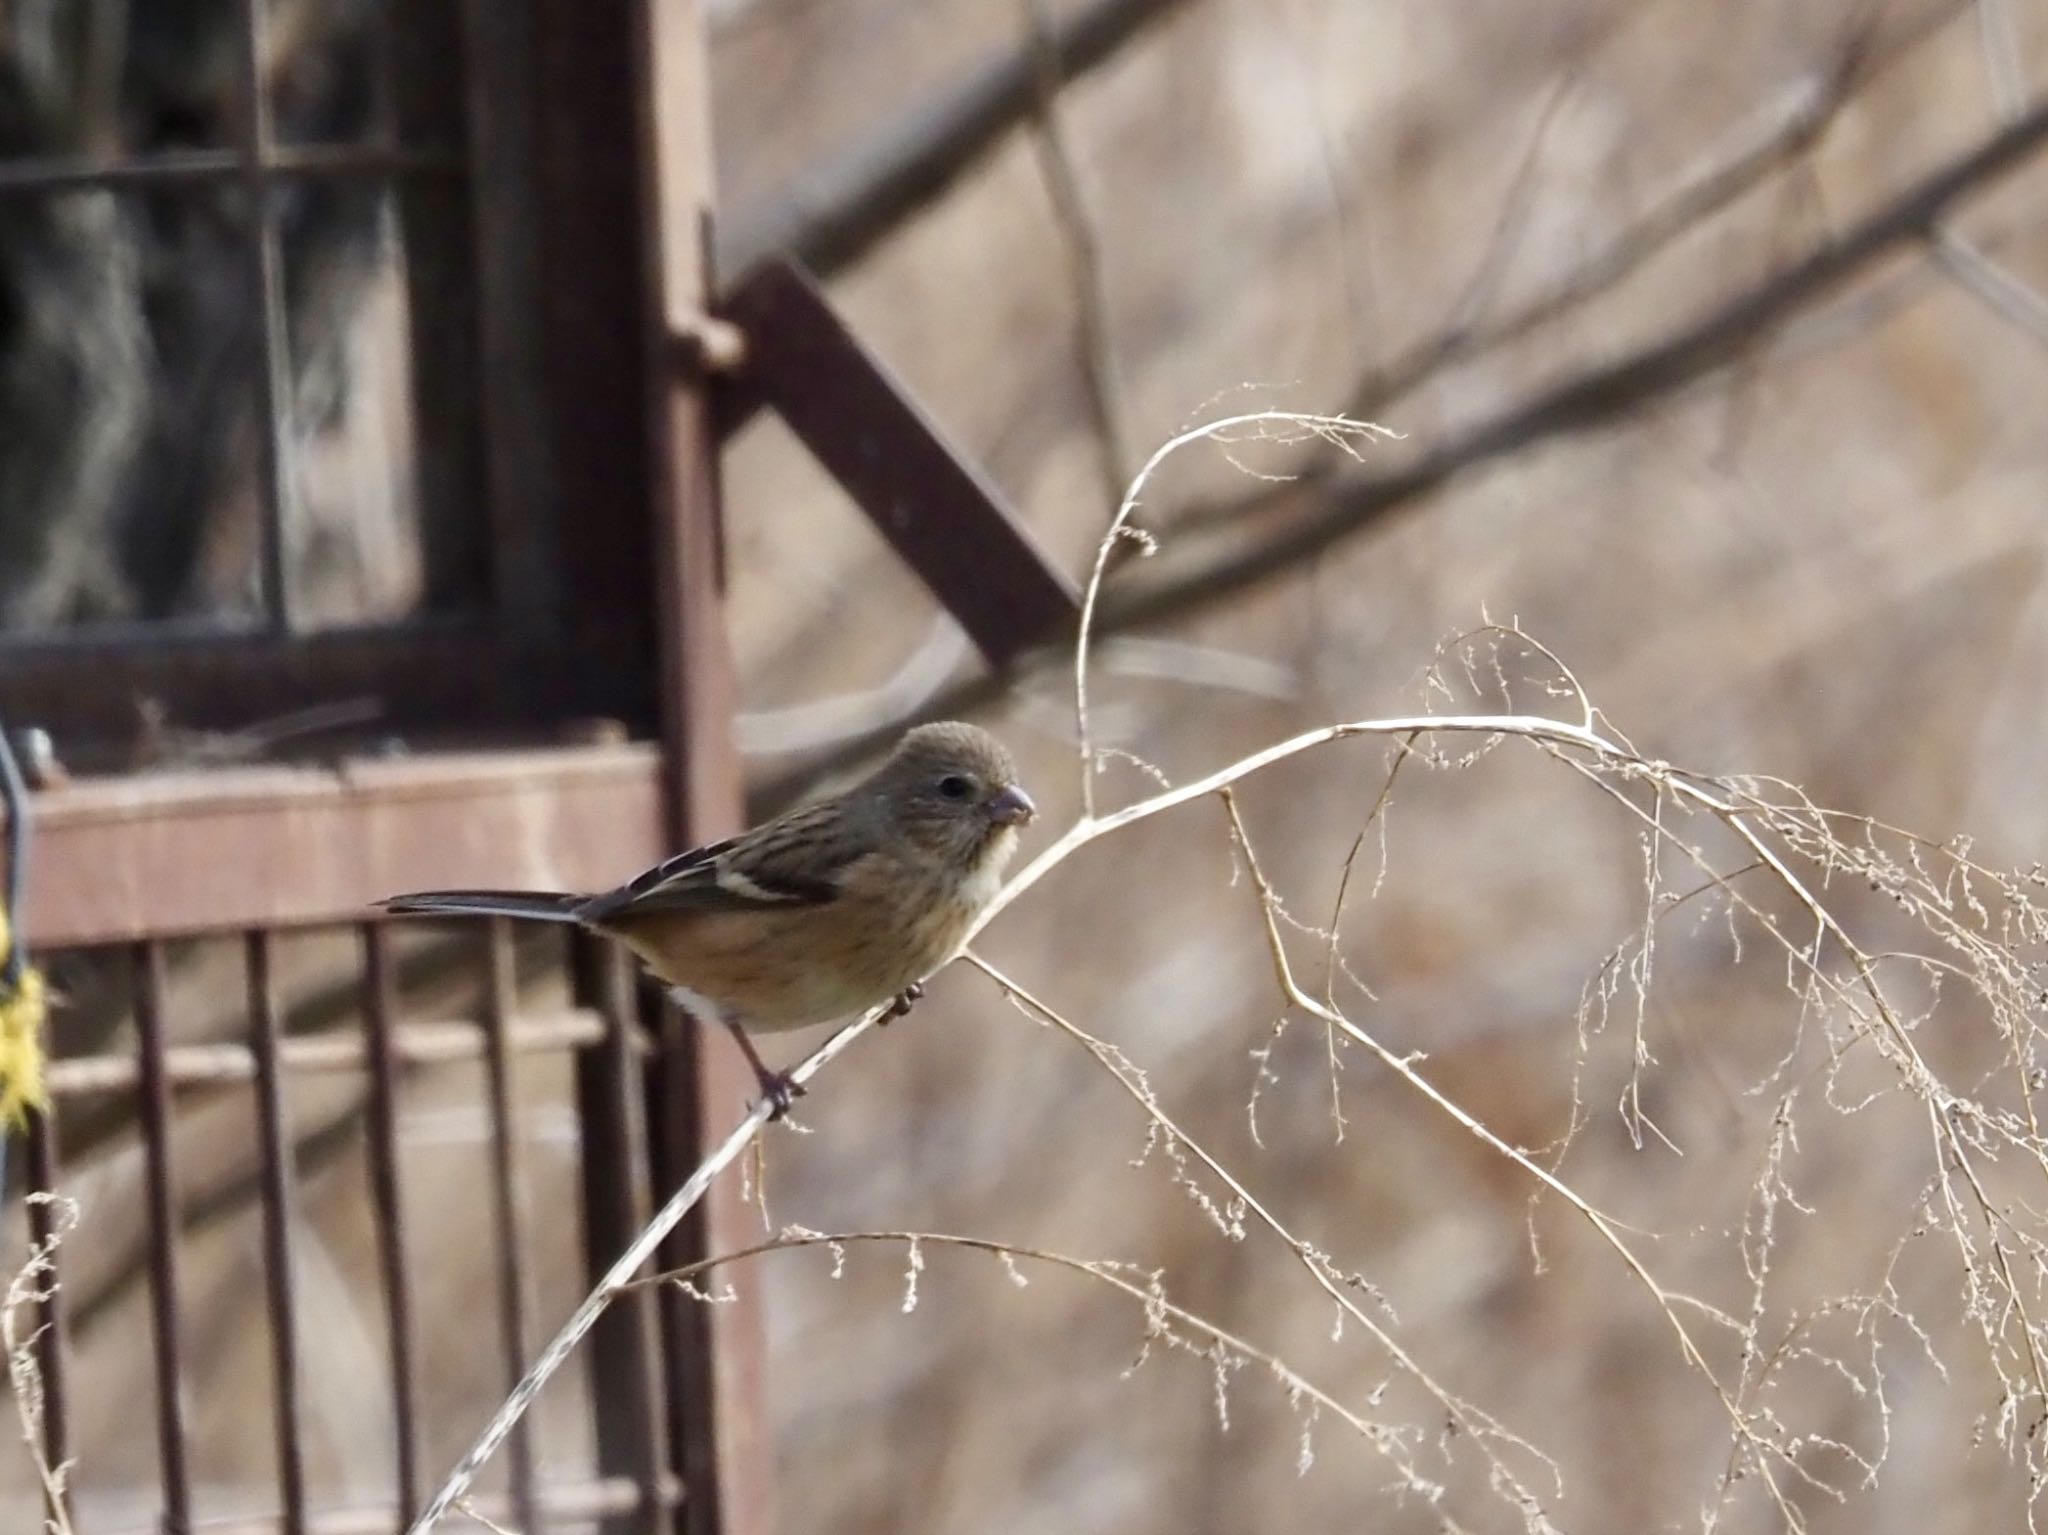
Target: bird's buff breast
[775, 970]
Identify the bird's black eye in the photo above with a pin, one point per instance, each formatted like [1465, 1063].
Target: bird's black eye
[953, 786]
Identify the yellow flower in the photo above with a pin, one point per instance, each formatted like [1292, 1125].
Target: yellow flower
[21, 1041]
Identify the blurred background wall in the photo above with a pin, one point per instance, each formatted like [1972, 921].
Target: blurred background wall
[1777, 520]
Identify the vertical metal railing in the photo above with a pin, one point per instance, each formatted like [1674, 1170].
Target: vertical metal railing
[623, 1356]
[279, 1195]
[712, 1352]
[387, 1207]
[638, 1406]
[508, 1184]
[155, 1094]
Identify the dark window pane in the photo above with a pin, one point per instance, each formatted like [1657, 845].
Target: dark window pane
[385, 516]
[129, 473]
[366, 71]
[102, 82]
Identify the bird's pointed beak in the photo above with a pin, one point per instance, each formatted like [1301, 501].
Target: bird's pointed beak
[1011, 806]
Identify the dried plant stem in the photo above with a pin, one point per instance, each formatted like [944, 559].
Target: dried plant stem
[1115, 1275]
[1900, 1048]
[1086, 831]
[1083, 238]
[1766, 1450]
[1337, 431]
[1603, 757]
[30, 1286]
[607, 1289]
[1485, 1430]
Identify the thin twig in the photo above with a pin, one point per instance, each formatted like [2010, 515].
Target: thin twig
[1583, 401]
[1083, 239]
[1999, 38]
[1270, 425]
[1485, 1430]
[599, 1300]
[1795, 125]
[1992, 283]
[1766, 1449]
[33, 1285]
[1601, 393]
[1115, 1275]
[837, 212]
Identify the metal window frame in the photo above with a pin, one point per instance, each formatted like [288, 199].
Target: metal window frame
[565, 630]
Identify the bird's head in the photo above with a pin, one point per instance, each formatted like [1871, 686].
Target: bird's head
[952, 792]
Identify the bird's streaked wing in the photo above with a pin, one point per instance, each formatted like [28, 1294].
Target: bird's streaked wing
[785, 863]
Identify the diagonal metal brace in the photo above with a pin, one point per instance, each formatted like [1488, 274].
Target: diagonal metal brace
[939, 512]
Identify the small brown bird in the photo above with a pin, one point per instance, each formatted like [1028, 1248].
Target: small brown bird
[822, 912]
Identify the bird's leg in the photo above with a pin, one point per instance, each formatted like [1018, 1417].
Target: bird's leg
[775, 1086]
[905, 1000]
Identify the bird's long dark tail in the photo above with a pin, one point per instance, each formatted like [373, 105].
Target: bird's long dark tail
[527, 905]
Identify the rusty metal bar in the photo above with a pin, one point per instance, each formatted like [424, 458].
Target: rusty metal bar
[148, 961]
[515, 1303]
[941, 514]
[412, 1044]
[173, 854]
[715, 1363]
[277, 1230]
[42, 1222]
[712, 1354]
[499, 80]
[570, 1502]
[212, 167]
[423, 56]
[627, 1400]
[277, 488]
[381, 1006]
[593, 334]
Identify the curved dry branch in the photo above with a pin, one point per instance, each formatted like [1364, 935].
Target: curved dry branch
[1159, 1311]
[1607, 759]
[1484, 1429]
[1603, 758]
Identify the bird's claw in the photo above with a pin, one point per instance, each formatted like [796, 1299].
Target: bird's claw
[905, 1000]
[780, 1091]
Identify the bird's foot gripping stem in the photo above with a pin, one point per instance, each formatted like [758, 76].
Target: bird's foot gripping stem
[776, 1086]
[905, 1000]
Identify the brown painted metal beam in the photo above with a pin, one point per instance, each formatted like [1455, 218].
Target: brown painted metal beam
[941, 514]
[173, 854]
[719, 1435]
